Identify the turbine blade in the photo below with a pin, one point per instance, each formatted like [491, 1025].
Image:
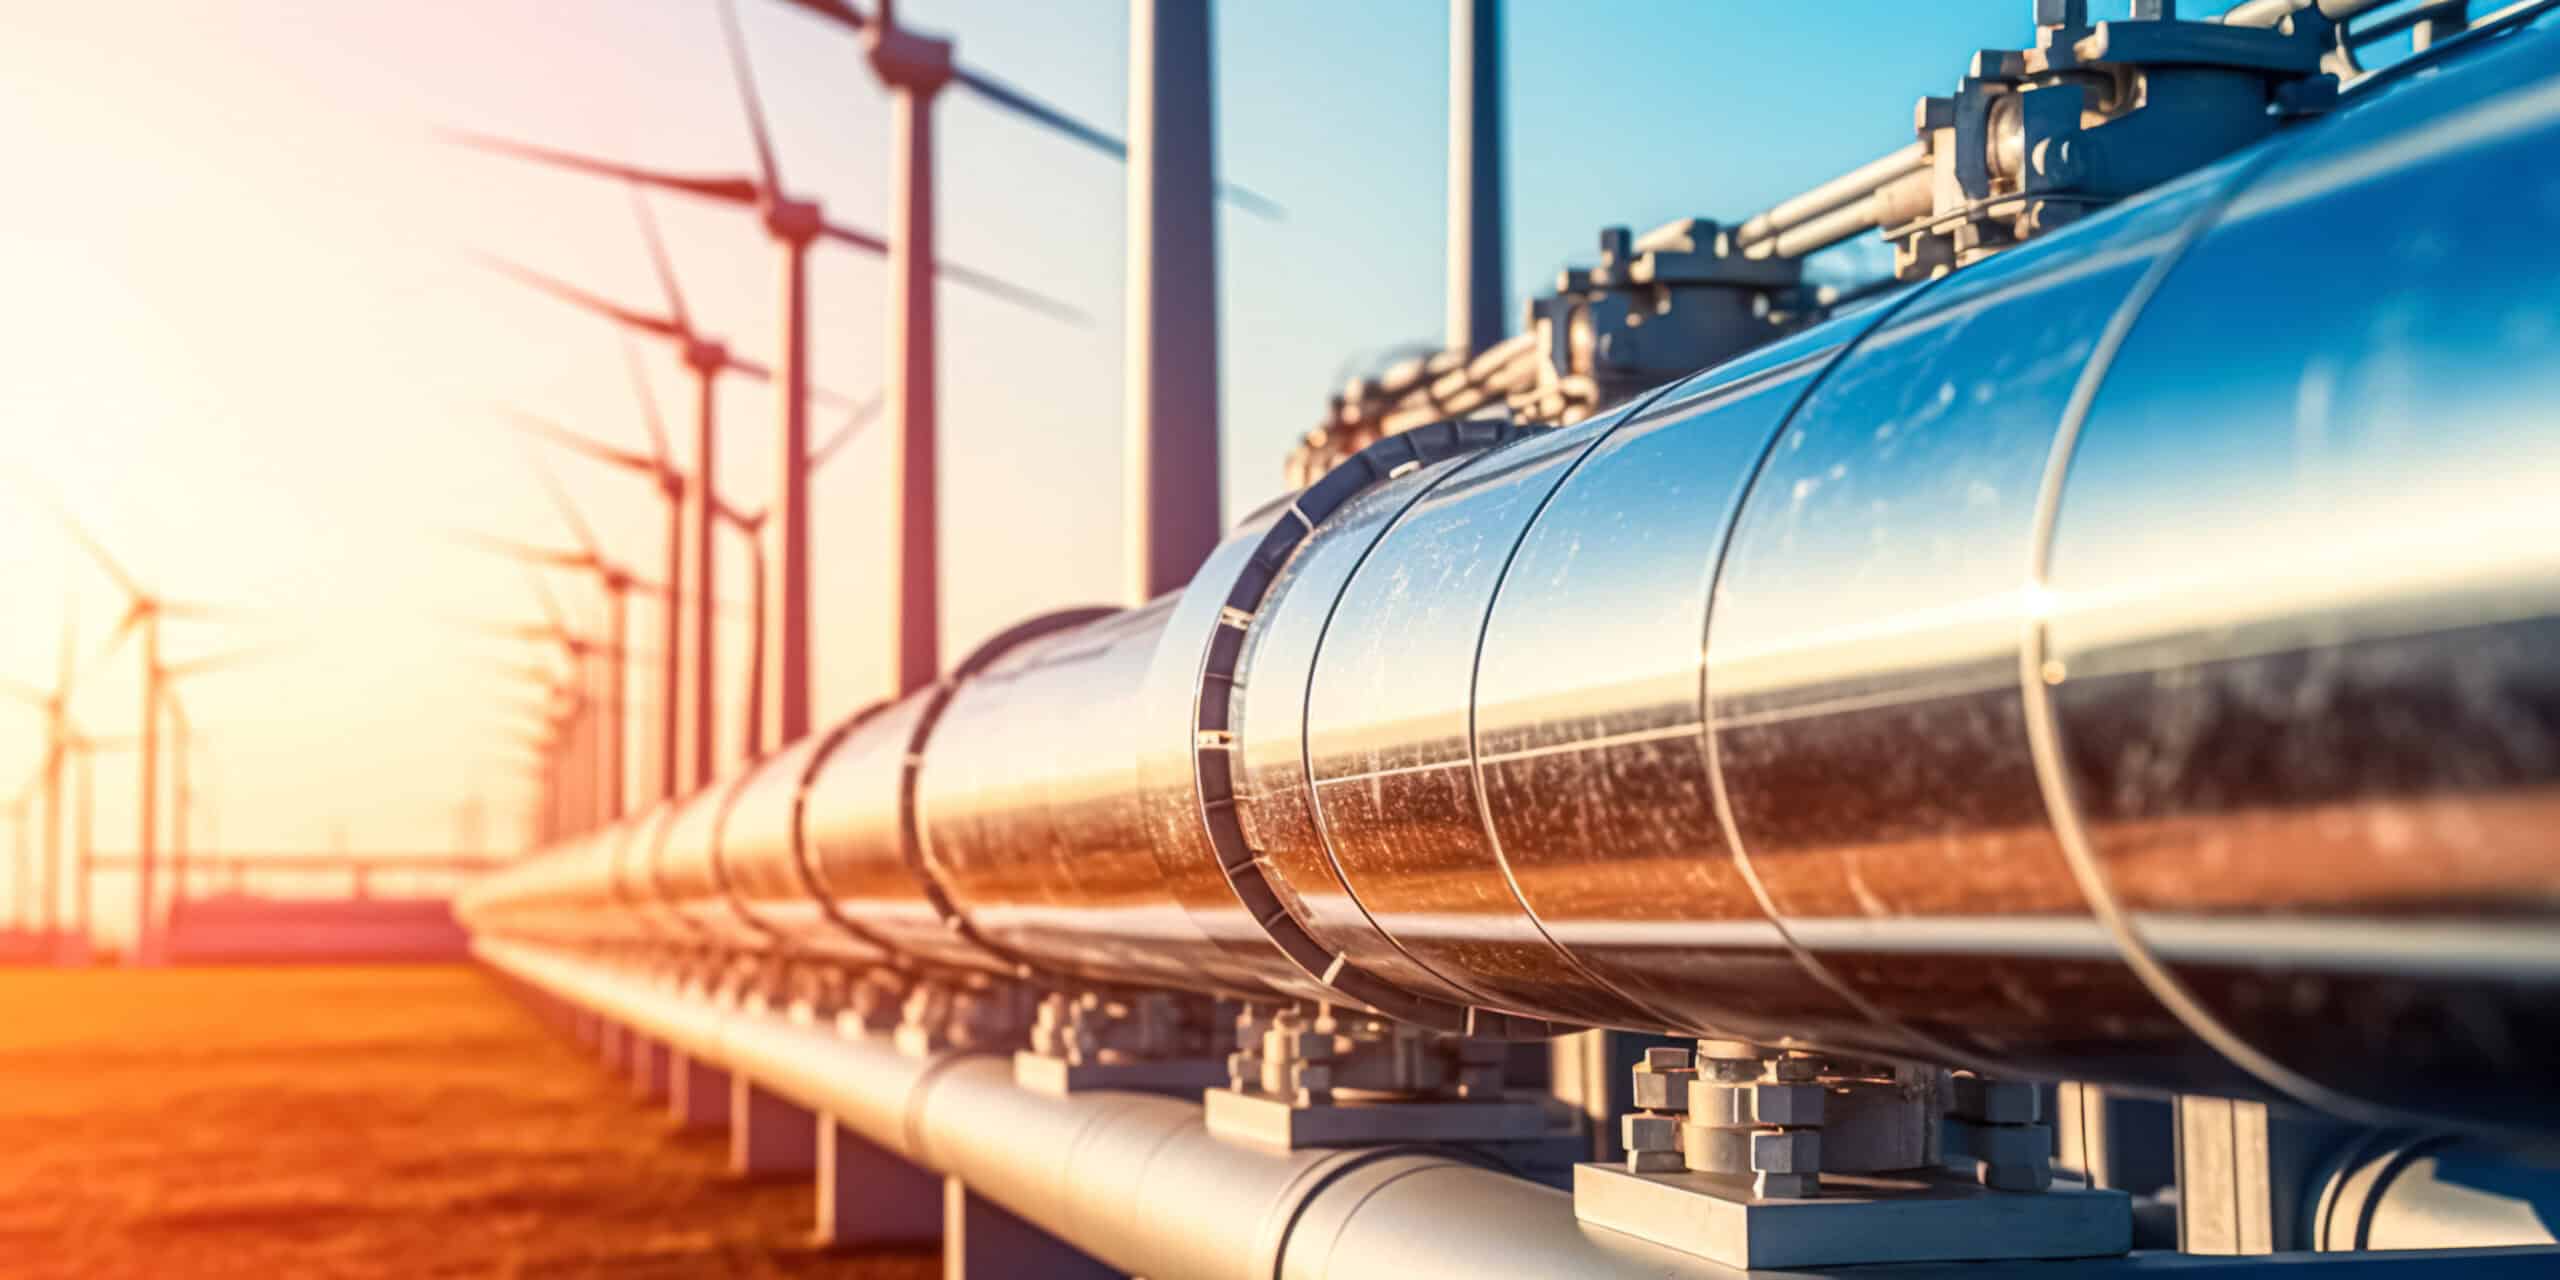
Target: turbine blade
[855, 237]
[550, 608]
[64, 654]
[1008, 98]
[727, 190]
[533, 631]
[198, 611]
[568, 512]
[220, 661]
[835, 11]
[97, 550]
[1014, 293]
[115, 639]
[876, 245]
[585, 301]
[862, 416]
[658, 259]
[1253, 202]
[524, 551]
[743, 71]
[662, 455]
[578, 444]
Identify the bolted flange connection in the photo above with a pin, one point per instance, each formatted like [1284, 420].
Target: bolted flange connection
[1091, 1027]
[1729, 1110]
[939, 1015]
[1996, 1128]
[1306, 1058]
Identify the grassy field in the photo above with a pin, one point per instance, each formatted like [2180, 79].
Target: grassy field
[328, 1122]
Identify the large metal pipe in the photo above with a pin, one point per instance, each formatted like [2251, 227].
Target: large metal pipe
[2056, 668]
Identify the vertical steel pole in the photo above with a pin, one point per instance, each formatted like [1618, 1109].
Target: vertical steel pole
[618, 672]
[791, 504]
[702, 514]
[915, 68]
[53, 762]
[147, 836]
[671, 641]
[84, 848]
[753, 738]
[1475, 175]
[180, 802]
[1172, 342]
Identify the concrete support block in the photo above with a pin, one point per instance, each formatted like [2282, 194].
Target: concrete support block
[697, 1093]
[983, 1240]
[769, 1135]
[869, 1195]
[647, 1063]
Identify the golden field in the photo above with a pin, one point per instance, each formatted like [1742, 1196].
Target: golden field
[280, 1123]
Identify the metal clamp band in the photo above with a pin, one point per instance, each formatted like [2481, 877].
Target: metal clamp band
[1213, 735]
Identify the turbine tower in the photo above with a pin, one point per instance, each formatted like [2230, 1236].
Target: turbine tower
[144, 610]
[1475, 176]
[59, 733]
[1172, 343]
[915, 68]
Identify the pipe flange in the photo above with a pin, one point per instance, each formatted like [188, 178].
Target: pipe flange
[811, 879]
[910, 834]
[1213, 736]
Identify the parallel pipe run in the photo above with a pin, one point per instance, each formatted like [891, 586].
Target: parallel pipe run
[1134, 1180]
[1137, 1181]
[1849, 189]
[1940, 683]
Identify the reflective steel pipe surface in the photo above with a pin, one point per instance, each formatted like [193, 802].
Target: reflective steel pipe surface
[2135, 658]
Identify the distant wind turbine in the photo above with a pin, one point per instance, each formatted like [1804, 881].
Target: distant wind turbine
[708, 359]
[144, 611]
[59, 733]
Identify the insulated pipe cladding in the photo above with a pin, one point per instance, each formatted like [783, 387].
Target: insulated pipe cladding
[2133, 658]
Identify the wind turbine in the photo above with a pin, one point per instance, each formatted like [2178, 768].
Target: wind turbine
[658, 467]
[55, 705]
[580, 798]
[795, 223]
[1172, 311]
[616, 583]
[143, 613]
[21, 862]
[707, 359]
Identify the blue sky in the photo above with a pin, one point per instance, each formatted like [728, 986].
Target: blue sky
[253, 354]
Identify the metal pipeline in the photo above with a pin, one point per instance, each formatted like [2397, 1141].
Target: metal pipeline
[1136, 1180]
[2133, 658]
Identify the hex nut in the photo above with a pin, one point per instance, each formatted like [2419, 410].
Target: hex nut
[1655, 1162]
[1663, 1090]
[1665, 1059]
[1789, 1104]
[1641, 1131]
[2023, 1176]
[2010, 1143]
[1786, 1186]
[1996, 1101]
[1786, 1151]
